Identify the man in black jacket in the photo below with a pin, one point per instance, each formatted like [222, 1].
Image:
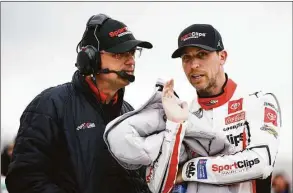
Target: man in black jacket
[59, 146]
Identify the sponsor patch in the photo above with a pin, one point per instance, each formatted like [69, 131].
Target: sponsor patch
[271, 105]
[236, 167]
[235, 118]
[201, 169]
[232, 127]
[211, 102]
[270, 130]
[85, 126]
[270, 116]
[190, 170]
[192, 35]
[235, 139]
[235, 106]
[120, 32]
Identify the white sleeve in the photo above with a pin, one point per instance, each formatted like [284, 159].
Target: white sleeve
[161, 174]
[255, 161]
[137, 139]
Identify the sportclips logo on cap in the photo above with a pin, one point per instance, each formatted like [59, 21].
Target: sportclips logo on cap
[120, 32]
[192, 35]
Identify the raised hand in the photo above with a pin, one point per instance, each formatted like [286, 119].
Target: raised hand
[175, 109]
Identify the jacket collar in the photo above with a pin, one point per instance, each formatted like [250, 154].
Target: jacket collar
[100, 95]
[211, 102]
[82, 85]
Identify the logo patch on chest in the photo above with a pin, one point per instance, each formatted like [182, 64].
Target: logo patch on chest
[270, 116]
[233, 127]
[86, 125]
[235, 118]
[235, 106]
[235, 139]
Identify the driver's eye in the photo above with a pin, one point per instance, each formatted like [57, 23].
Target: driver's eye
[186, 58]
[201, 55]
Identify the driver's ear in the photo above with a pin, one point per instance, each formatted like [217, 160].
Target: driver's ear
[223, 57]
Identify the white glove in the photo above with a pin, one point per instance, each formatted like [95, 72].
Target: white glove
[175, 109]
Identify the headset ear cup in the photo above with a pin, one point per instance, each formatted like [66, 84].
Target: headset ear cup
[94, 56]
[83, 63]
[89, 58]
[86, 60]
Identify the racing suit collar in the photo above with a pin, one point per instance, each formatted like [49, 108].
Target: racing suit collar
[211, 102]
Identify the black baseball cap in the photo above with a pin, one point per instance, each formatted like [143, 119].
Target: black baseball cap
[204, 36]
[113, 36]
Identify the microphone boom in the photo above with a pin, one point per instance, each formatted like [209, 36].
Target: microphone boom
[122, 74]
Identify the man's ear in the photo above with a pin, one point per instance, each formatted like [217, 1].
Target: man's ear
[223, 57]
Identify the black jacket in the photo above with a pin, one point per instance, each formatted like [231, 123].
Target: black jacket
[5, 160]
[60, 147]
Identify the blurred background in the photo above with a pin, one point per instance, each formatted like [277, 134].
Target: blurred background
[38, 41]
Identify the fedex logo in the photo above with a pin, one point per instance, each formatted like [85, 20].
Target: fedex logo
[234, 106]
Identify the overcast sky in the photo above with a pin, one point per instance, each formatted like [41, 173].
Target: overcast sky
[38, 41]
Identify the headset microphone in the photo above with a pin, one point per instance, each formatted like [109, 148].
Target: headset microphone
[122, 74]
[104, 71]
[126, 76]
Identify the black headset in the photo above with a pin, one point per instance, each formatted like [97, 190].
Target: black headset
[88, 58]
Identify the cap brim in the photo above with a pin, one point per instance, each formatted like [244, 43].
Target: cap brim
[179, 51]
[129, 45]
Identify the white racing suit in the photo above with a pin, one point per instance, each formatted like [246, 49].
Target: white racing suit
[228, 149]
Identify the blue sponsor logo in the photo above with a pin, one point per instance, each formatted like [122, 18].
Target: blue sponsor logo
[201, 169]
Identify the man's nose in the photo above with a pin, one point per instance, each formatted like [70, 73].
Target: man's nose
[195, 63]
[130, 61]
